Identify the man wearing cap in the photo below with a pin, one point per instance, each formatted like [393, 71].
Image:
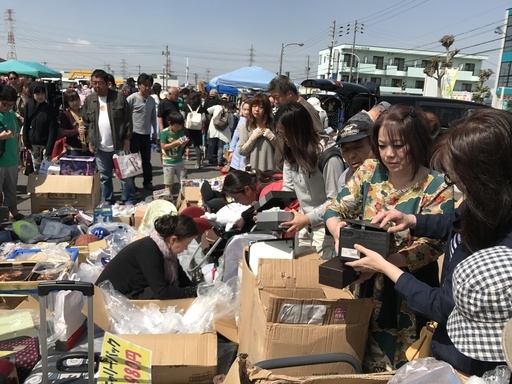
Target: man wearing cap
[354, 142]
[355, 147]
[168, 105]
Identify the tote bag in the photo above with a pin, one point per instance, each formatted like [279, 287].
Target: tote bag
[127, 165]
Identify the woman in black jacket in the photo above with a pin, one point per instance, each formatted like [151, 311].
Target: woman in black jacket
[149, 268]
[40, 125]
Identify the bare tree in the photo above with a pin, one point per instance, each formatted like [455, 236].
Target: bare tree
[482, 90]
[437, 68]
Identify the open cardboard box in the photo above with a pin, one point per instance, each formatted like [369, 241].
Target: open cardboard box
[177, 358]
[285, 285]
[16, 316]
[242, 367]
[189, 196]
[52, 191]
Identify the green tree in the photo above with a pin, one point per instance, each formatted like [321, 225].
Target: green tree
[482, 90]
[437, 67]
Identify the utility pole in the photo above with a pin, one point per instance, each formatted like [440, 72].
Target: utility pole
[330, 49]
[308, 68]
[166, 53]
[357, 28]
[195, 79]
[207, 75]
[251, 56]
[138, 66]
[44, 63]
[108, 67]
[11, 55]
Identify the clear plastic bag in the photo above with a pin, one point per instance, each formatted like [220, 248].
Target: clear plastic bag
[213, 302]
[426, 370]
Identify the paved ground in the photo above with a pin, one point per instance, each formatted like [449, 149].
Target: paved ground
[206, 172]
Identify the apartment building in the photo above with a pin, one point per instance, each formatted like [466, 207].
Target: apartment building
[394, 69]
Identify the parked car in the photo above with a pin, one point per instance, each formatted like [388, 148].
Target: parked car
[356, 97]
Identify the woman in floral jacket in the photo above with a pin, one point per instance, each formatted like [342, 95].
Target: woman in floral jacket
[398, 179]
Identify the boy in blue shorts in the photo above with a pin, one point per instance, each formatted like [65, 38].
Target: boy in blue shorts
[172, 142]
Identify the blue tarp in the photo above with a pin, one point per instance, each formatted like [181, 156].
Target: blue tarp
[247, 77]
[28, 68]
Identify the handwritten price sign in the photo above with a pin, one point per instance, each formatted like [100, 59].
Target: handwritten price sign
[124, 362]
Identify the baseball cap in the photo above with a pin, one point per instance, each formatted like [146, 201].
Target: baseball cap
[482, 292]
[224, 96]
[213, 92]
[382, 106]
[315, 102]
[356, 128]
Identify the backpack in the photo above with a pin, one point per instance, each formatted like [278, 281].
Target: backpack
[220, 120]
[324, 157]
[194, 119]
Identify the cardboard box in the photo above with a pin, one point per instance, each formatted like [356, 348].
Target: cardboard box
[18, 320]
[77, 165]
[241, 367]
[139, 215]
[177, 358]
[339, 323]
[50, 191]
[189, 196]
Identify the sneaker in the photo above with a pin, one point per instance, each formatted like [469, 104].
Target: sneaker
[150, 187]
[197, 166]
[186, 158]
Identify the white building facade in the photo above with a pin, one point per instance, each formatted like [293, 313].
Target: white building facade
[394, 69]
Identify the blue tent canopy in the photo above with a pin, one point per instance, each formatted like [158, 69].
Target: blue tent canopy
[222, 89]
[246, 77]
[28, 68]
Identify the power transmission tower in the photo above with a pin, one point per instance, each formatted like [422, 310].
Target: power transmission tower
[251, 56]
[166, 53]
[123, 69]
[108, 67]
[11, 55]
[330, 49]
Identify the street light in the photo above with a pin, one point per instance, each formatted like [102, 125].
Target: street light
[283, 46]
[357, 67]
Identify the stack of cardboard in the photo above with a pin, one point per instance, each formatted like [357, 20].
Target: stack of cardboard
[285, 312]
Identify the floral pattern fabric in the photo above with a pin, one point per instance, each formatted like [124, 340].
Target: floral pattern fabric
[367, 193]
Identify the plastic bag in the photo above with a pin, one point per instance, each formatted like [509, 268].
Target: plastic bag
[53, 261]
[213, 302]
[426, 370]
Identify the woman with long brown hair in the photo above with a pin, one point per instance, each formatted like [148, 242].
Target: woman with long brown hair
[71, 126]
[257, 140]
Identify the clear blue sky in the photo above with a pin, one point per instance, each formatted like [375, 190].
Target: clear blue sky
[218, 35]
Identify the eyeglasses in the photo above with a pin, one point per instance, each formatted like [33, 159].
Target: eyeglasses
[13, 78]
[447, 179]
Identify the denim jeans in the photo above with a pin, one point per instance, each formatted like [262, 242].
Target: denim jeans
[216, 150]
[105, 165]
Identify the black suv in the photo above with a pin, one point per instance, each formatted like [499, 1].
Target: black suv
[355, 97]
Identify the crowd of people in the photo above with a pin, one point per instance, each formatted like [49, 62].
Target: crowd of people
[384, 165]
